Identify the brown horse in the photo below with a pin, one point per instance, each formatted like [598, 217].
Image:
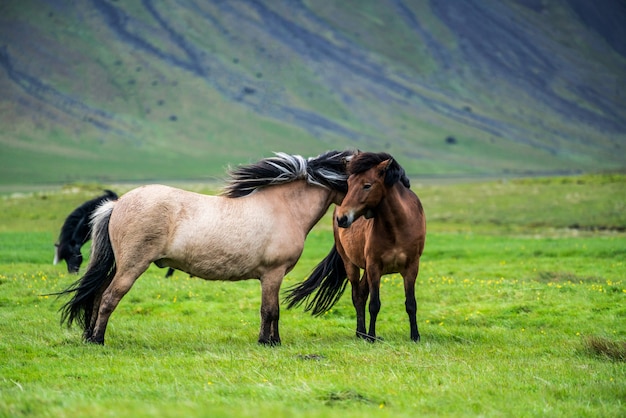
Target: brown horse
[256, 229]
[380, 227]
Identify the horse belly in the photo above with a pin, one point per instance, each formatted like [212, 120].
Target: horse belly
[216, 261]
[224, 252]
[223, 273]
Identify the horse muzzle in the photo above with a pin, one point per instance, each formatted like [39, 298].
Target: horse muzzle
[345, 221]
[73, 269]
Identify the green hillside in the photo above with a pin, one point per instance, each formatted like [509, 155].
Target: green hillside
[146, 90]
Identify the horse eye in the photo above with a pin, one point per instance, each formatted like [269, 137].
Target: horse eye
[367, 186]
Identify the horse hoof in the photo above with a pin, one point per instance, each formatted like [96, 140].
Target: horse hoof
[93, 340]
[269, 343]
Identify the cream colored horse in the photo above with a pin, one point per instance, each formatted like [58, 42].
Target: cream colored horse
[255, 230]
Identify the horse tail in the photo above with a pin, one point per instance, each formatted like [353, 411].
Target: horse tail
[329, 279]
[100, 272]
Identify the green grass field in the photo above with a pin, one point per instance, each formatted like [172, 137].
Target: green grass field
[521, 307]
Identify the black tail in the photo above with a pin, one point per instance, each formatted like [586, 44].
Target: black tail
[329, 279]
[100, 272]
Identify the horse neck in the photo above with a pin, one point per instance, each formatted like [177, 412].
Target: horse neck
[392, 209]
[307, 202]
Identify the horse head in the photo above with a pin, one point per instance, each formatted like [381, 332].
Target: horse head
[70, 252]
[370, 176]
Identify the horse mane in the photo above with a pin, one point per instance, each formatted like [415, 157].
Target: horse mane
[326, 170]
[364, 161]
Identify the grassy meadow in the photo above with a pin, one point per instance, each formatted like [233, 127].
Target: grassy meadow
[521, 307]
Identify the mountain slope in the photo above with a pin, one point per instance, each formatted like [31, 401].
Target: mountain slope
[107, 90]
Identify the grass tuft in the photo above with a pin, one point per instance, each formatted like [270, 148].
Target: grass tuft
[349, 396]
[603, 347]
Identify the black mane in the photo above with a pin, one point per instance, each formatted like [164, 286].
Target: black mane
[326, 170]
[364, 161]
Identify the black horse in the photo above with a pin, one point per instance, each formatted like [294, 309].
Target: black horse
[76, 231]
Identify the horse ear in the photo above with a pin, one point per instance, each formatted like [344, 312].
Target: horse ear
[384, 166]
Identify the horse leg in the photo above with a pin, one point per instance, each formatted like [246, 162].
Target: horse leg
[360, 293]
[410, 303]
[94, 313]
[373, 279]
[270, 309]
[120, 285]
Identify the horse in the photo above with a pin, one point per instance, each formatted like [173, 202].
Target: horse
[254, 229]
[379, 227]
[76, 231]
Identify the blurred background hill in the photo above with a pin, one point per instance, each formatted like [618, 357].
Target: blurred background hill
[111, 90]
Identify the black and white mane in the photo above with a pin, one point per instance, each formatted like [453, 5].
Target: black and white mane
[326, 170]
